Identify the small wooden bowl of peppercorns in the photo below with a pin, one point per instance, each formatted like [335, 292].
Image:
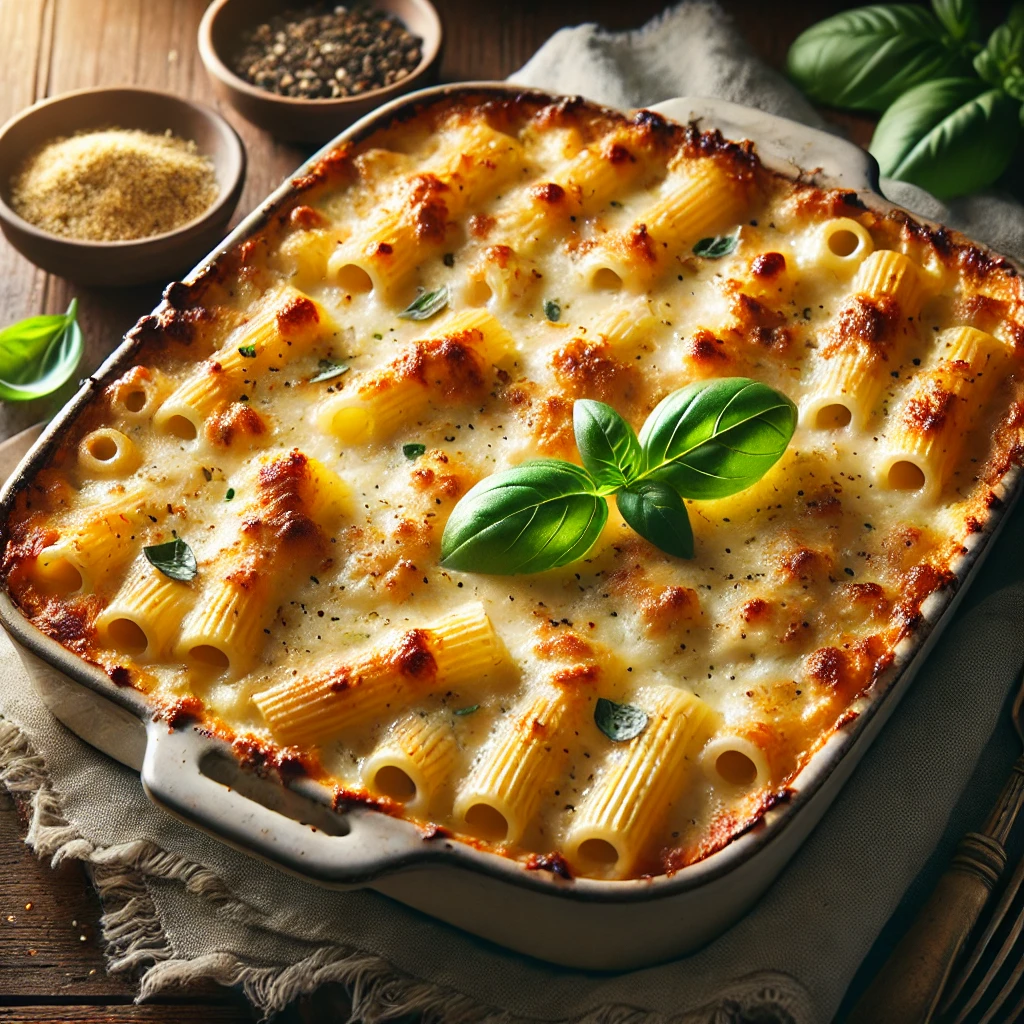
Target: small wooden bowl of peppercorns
[304, 72]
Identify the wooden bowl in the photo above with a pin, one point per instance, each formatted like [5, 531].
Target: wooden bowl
[115, 264]
[298, 120]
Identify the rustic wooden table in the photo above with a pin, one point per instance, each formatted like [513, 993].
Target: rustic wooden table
[51, 962]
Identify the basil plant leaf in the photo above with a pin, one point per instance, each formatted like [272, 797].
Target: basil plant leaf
[866, 58]
[619, 722]
[656, 512]
[426, 304]
[607, 444]
[174, 559]
[39, 354]
[530, 518]
[1002, 54]
[958, 17]
[716, 437]
[951, 137]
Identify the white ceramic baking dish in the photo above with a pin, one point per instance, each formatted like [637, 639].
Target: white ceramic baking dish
[587, 923]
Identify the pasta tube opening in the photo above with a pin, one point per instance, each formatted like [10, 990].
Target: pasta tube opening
[736, 761]
[108, 452]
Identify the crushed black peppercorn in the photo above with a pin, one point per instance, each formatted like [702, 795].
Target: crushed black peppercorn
[328, 51]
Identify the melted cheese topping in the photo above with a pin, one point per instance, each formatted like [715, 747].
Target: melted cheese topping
[315, 628]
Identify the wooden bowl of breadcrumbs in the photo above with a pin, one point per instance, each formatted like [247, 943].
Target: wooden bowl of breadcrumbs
[116, 187]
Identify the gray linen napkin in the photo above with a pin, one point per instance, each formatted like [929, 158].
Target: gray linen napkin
[179, 906]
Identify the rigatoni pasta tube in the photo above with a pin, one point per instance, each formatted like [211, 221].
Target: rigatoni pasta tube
[476, 162]
[842, 245]
[284, 327]
[91, 550]
[695, 202]
[624, 326]
[499, 798]
[629, 799]
[144, 616]
[460, 648]
[436, 367]
[928, 427]
[224, 632]
[738, 759]
[865, 341]
[108, 452]
[413, 761]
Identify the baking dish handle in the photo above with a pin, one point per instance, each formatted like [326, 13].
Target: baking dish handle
[348, 848]
[786, 145]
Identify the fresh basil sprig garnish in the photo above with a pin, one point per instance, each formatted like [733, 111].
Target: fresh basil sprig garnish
[707, 440]
[619, 722]
[174, 558]
[426, 304]
[714, 248]
[39, 354]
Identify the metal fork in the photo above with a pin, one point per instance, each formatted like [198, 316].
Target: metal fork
[908, 988]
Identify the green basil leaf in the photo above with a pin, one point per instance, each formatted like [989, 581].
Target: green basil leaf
[716, 437]
[229, 494]
[1002, 54]
[328, 370]
[467, 711]
[247, 351]
[413, 451]
[619, 722]
[608, 447]
[1014, 85]
[867, 57]
[530, 518]
[958, 17]
[657, 513]
[426, 304]
[951, 137]
[717, 247]
[553, 310]
[174, 559]
[39, 354]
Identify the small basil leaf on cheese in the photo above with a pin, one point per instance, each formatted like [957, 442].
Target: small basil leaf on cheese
[248, 351]
[229, 494]
[718, 246]
[657, 513]
[619, 722]
[328, 370]
[426, 304]
[174, 559]
[531, 518]
[413, 451]
[608, 446]
[467, 711]
[714, 438]
[553, 310]
[39, 354]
